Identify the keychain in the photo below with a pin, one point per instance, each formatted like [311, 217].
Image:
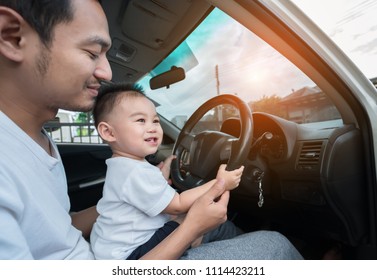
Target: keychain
[259, 177]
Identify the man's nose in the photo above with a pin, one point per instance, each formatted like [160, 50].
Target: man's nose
[103, 70]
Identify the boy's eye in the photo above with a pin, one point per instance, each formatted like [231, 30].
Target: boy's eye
[141, 120]
[156, 121]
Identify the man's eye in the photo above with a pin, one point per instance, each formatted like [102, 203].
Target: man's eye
[93, 55]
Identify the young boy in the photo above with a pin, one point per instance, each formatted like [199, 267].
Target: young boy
[139, 208]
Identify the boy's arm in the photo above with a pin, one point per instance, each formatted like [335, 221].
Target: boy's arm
[182, 202]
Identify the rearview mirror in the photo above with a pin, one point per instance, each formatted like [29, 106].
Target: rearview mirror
[174, 75]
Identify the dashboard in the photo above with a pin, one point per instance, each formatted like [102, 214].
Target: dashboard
[270, 137]
[312, 168]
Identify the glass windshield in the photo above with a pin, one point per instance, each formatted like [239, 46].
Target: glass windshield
[223, 57]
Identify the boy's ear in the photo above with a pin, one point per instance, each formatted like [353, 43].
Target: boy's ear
[12, 26]
[106, 132]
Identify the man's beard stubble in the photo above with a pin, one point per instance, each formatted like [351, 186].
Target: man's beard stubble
[42, 65]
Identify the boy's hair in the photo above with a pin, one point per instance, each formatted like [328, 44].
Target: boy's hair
[42, 15]
[110, 95]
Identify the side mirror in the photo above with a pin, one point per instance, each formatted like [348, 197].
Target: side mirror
[174, 75]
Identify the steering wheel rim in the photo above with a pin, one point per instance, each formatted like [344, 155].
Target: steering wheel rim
[202, 166]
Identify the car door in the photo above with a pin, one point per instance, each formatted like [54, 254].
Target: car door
[85, 169]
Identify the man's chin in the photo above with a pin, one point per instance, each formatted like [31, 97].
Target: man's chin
[87, 107]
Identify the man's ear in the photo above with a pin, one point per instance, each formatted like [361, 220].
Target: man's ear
[106, 132]
[11, 34]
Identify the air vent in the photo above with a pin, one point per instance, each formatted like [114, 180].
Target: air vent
[309, 155]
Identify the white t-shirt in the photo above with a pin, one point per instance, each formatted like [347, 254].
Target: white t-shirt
[34, 205]
[134, 195]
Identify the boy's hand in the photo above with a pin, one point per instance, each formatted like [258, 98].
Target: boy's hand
[165, 166]
[231, 178]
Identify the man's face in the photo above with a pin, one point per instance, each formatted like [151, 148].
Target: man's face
[70, 70]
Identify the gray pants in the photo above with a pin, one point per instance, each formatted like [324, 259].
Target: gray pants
[226, 230]
[258, 245]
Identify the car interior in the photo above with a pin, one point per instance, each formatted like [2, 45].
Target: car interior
[309, 171]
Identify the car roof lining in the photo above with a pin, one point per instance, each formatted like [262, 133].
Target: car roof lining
[150, 45]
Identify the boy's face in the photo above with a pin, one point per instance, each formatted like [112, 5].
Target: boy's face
[136, 128]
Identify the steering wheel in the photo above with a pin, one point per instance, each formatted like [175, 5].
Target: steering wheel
[199, 156]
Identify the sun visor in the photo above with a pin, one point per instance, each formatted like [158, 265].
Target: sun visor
[151, 22]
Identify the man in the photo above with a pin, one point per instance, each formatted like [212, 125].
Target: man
[53, 56]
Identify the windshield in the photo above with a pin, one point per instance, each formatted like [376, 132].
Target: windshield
[223, 57]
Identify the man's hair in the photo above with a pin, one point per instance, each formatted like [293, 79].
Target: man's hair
[110, 95]
[42, 15]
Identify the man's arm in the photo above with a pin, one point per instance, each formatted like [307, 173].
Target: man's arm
[84, 220]
[207, 212]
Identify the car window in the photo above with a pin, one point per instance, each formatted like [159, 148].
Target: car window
[223, 57]
[351, 24]
[73, 127]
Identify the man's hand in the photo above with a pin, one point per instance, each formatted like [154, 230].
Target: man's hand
[209, 210]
